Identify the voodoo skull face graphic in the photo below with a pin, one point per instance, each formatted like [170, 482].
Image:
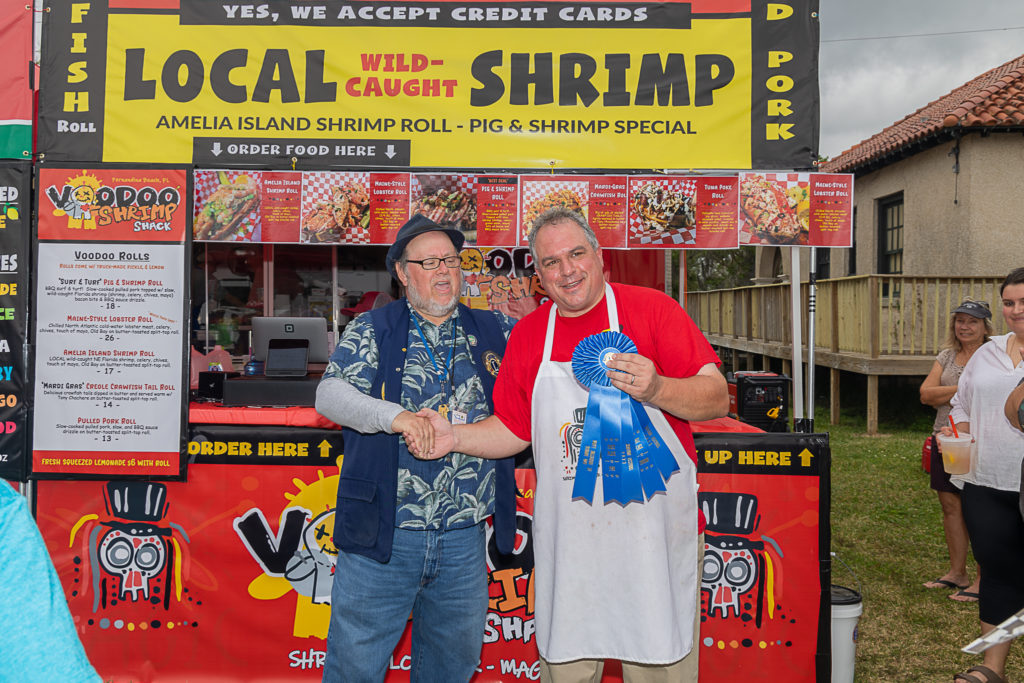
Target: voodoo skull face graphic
[737, 565]
[135, 553]
[133, 545]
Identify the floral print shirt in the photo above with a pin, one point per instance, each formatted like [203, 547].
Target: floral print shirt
[457, 490]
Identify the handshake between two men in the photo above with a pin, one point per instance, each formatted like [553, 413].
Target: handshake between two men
[430, 436]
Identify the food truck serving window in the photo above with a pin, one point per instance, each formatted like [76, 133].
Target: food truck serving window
[234, 282]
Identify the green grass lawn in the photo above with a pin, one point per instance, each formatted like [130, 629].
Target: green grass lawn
[887, 526]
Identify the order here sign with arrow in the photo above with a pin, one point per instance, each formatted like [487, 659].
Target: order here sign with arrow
[265, 444]
[315, 153]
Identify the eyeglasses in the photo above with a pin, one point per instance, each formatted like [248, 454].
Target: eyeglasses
[435, 263]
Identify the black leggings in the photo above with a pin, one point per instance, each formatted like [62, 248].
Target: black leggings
[997, 537]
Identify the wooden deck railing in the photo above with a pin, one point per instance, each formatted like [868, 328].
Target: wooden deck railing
[869, 316]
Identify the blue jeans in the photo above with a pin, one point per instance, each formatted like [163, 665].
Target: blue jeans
[438, 576]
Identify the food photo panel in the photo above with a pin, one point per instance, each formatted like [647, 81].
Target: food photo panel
[227, 206]
[447, 199]
[774, 208]
[335, 207]
[601, 200]
[796, 209]
[662, 211]
[688, 212]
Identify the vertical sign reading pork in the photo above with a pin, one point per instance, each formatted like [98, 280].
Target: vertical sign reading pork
[110, 322]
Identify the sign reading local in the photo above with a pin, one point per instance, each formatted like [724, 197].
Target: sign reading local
[620, 85]
[111, 326]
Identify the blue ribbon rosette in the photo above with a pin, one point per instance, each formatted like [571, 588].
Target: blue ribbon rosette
[618, 436]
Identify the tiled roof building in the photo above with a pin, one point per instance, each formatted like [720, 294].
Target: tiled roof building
[992, 101]
[937, 207]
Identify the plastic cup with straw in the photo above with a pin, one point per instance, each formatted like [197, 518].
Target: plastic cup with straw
[956, 451]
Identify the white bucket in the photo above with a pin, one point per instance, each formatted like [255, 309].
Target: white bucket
[846, 610]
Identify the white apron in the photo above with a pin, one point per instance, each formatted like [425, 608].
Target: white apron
[611, 581]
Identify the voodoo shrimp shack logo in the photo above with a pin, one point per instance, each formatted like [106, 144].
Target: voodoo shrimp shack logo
[112, 204]
[611, 85]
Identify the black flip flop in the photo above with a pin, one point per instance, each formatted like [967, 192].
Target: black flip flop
[946, 583]
[969, 595]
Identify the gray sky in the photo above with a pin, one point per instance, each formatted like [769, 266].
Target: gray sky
[867, 85]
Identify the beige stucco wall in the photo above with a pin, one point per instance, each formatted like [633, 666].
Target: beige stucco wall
[994, 171]
[932, 237]
[981, 233]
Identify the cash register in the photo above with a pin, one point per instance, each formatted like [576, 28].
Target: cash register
[288, 347]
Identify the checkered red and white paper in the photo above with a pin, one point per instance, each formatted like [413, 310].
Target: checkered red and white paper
[1010, 629]
[640, 234]
[318, 187]
[536, 189]
[784, 181]
[204, 184]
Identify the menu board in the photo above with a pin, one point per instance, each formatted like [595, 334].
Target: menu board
[110, 377]
[389, 205]
[15, 186]
[634, 212]
[280, 212]
[695, 212]
[496, 200]
[796, 209]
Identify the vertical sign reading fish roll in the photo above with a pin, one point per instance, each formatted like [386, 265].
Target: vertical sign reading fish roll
[111, 323]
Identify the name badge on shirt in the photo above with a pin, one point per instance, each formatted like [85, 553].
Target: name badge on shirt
[459, 417]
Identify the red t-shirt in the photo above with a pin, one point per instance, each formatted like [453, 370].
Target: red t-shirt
[657, 324]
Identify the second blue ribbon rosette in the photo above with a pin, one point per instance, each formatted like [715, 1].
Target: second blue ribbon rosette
[618, 436]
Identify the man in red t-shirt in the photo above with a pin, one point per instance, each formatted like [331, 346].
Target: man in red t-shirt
[611, 581]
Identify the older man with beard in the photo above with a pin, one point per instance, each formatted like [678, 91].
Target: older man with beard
[411, 533]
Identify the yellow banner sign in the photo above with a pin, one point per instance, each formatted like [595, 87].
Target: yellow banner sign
[513, 84]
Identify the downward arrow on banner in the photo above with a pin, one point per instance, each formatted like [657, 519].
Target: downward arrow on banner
[216, 149]
[391, 152]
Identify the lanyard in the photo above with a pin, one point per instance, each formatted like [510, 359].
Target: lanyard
[449, 369]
